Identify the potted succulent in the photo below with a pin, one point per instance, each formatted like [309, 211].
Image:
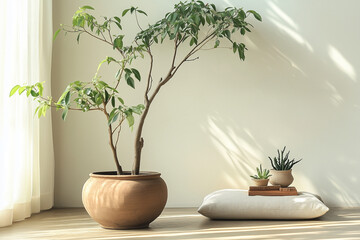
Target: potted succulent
[282, 168]
[262, 177]
[132, 199]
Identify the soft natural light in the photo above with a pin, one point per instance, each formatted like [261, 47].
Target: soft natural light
[342, 63]
[19, 129]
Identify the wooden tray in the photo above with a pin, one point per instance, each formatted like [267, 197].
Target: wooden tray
[272, 191]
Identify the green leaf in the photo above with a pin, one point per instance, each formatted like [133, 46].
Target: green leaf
[78, 38]
[242, 31]
[256, 15]
[33, 93]
[22, 89]
[136, 73]
[124, 12]
[113, 116]
[138, 109]
[87, 7]
[235, 47]
[118, 42]
[142, 12]
[88, 91]
[39, 109]
[242, 14]
[130, 82]
[241, 52]
[67, 98]
[28, 91]
[117, 19]
[131, 120]
[117, 75]
[217, 43]
[192, 41]
[113, 101]
[107, 96]
[56, 33]
[119, 26]
[44, 109]
[40, 88]
[102, 84]
[98, 99]
[64, 114]
[14, 89]
[121, 100]
[227, 33]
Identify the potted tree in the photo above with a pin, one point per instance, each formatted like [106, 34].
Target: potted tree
[123, 199]
[282, 168]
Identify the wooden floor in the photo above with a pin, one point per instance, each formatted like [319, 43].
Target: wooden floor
[185, 223]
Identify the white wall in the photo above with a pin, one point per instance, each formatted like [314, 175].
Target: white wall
[219, 118]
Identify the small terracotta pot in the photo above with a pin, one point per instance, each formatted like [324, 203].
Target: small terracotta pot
[124, 201]
[282, 178]
[261, 182]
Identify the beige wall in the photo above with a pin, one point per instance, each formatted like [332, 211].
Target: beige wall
[219, 118]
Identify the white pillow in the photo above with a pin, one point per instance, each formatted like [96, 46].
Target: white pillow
[236, 204]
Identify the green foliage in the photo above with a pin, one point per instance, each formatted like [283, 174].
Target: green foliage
[189, 18]
[36, 92]
[261, 174]
[282, 161]
[84, 96]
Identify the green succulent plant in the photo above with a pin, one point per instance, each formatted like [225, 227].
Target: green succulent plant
[261, 174]
[282, 162]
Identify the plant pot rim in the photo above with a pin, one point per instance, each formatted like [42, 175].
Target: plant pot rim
[257, 180]
[127, 175]
[281, 170]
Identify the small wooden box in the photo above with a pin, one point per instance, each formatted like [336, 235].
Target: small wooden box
[272, 191]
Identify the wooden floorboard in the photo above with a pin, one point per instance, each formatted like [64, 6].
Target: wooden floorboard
[185, 223]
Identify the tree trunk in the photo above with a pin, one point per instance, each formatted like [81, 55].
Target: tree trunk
[139, 141]
[113, 148]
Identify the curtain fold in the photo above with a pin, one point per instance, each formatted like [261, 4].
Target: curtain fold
[26, 147]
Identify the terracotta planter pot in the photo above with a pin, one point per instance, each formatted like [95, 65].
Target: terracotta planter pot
[282, 178]
[261, 182]
[124, 201]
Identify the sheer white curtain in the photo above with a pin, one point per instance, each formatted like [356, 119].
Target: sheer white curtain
[26, 147]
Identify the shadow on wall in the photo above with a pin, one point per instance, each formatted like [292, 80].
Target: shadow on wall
[305, 95]
[243, 154]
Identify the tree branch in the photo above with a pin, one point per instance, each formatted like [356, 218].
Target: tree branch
[137, 21]
[54, 104]
[148, 84]
[104, 40]
[111, 142]
[118, 135]
[193, 59]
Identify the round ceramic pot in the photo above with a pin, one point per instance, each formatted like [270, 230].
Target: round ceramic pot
[124, 201]
[282, 178]
[261, 182]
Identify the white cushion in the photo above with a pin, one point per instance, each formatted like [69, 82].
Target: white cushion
[236, 204]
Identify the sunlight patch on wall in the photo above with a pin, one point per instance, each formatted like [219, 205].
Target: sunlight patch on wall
[336, 98]
[291, 62]
[342, 63]
[238, 148]
[281, 14]
[229, 3]
[293, 34]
